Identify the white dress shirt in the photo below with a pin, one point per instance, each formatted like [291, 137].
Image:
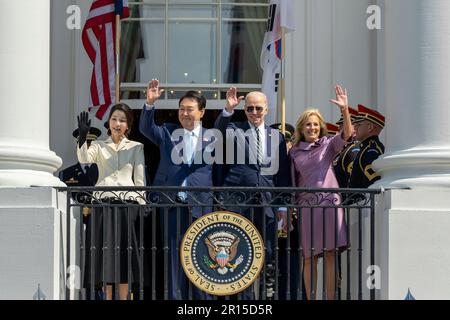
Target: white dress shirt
[262, 129]
[262, 137]
[262, 133]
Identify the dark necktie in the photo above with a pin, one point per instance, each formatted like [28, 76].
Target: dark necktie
[259, 146]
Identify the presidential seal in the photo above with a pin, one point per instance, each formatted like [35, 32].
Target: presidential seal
[222, 253]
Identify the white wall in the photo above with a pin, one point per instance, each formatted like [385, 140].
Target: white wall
[331, 45]
[70, 77]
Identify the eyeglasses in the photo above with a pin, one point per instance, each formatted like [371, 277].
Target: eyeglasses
[250, 109]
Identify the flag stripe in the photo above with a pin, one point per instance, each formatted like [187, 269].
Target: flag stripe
[98, 38]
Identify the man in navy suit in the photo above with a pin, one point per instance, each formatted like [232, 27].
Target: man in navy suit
[181, 164]
[259, 160]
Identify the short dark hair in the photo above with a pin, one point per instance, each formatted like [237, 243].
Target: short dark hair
[197, 96]
[128, 114]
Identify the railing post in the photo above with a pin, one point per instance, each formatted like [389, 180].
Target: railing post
[68, 207]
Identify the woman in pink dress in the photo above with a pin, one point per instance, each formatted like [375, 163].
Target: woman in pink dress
[312, 156]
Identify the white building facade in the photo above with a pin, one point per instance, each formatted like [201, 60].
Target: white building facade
[391, 55]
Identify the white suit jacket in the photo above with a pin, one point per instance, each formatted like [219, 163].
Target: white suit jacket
[123, 166]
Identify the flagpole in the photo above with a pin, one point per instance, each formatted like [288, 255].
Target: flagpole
[282, 82]
[118, 26]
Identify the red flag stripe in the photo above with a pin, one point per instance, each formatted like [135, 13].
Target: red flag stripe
[98, 37]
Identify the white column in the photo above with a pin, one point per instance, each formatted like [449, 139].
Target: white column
[417, 71]
[413, 215]
[25, 157]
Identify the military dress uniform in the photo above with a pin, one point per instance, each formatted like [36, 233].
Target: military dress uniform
[343, 163]
[363, 175]
[83, 175]
[342, 167]
[371, 148]
[294, 276]
[332, 129]
[75, 176]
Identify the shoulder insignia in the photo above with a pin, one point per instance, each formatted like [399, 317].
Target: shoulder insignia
[350, 168]
[345, 152]
[370, 173]
[70, 181]
[375, 146]
[373, 150]
[335, 161]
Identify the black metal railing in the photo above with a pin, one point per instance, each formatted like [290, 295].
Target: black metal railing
[149, 217]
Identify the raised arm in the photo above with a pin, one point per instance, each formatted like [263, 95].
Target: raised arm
[84, 124]
[147, 125]
[85, 154]
[233, 101]
[342, 102]
[153, 92]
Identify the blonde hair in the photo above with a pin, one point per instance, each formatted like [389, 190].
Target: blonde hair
[303, 119]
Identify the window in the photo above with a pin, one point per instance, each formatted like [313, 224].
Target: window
[192, 44]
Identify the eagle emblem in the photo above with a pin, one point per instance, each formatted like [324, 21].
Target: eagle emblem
[222, 249]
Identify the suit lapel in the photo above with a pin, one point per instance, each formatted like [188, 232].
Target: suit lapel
[175, 143]
[110, 143]
[123, 144]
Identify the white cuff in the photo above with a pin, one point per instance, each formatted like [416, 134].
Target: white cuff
[225, 113]
[149, 106]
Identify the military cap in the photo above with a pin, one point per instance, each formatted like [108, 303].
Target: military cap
[93, 134]
[332, 129]
[353, 116]
[371, 115]
[289, 130]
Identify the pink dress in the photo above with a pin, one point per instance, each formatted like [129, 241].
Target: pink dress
[312, 168]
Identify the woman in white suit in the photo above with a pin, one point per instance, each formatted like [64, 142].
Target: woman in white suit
[120, 163]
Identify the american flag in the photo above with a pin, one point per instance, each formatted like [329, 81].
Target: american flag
[98, 36]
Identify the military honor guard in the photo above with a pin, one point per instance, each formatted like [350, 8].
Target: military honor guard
[368, 125]
[81, 174]
[294, 277]
[288, 133]
[343, 163]
[332, 129]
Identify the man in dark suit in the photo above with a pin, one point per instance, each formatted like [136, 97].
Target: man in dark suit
[181, 164]
[260, 160]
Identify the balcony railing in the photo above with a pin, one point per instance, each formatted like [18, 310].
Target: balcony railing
[139, 230]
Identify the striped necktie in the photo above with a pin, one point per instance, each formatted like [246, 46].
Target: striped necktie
[259, 146]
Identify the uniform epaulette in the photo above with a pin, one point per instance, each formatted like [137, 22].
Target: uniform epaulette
[374, 146]
[366, 168]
